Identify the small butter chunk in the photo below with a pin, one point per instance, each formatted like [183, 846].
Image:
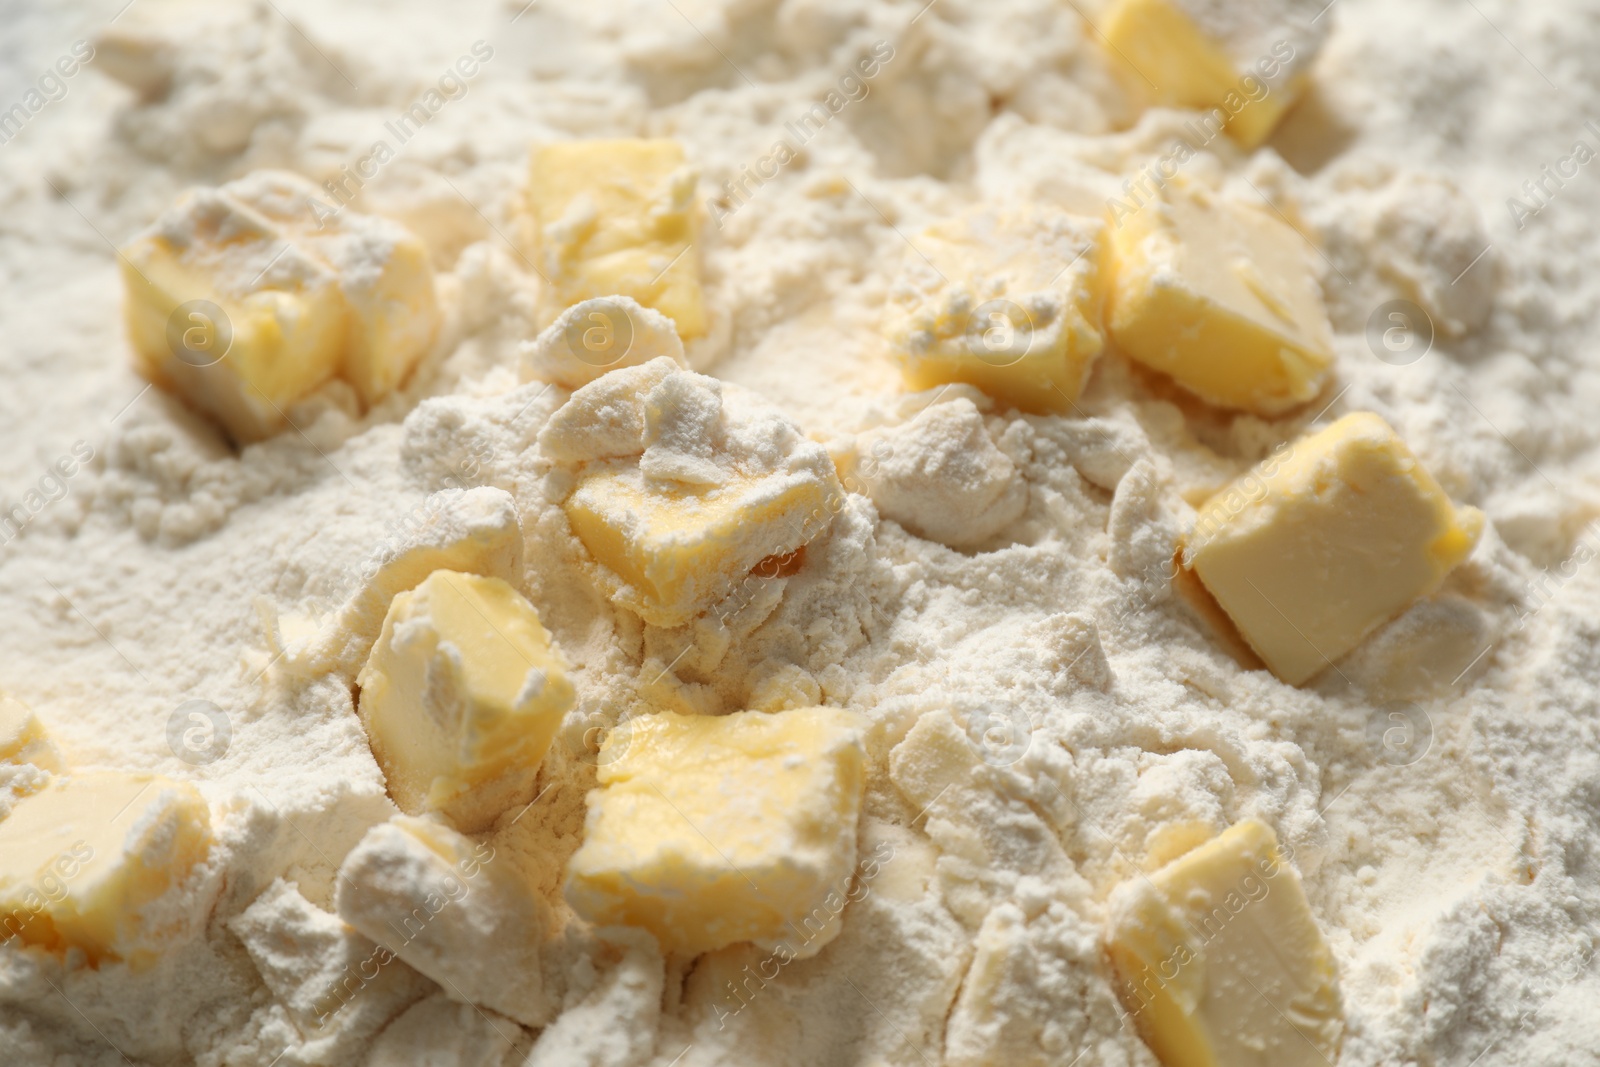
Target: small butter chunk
[1221, 962]
[708, 831]
[1009, 303]
[82, 860]
[1246, 62]
[596, 336]
[1325, 541]
[461, 697]
[245, 299]
[684, 484]
[619, 217]
[23, 739]
[1222, 297]
[452, 908]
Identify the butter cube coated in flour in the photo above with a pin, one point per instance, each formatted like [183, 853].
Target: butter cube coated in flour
[1245, 62]
[244, 299]
[1220, 296]
[1325, 541]
[82, 858]
[461, 697]
[1220, 961]
[23, 738]
[1007, 302]
[712, 830]
[679, 545]
[618, 218]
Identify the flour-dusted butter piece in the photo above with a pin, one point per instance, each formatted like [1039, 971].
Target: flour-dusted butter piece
[384, 272]
[1245, 61]
[1005, 301]
[1221, 962]
[684, 484]
[1325, 541]
[1221, 296]
[595, 336]
[82, 860]
[23, 738]
[453, 909]
[245, 298]
[712, 830]
[619, 218]
[461, 696]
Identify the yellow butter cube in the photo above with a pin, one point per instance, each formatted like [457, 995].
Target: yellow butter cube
[1009, 303]
[618, 218]
[708, 831]
[1325, 541]
[262, 322]
[23, 738]
[1247, 64]
[681, 547]
[461, 697]
[1222, 297]
[247, 298]
[82, 858]
[1221, 962]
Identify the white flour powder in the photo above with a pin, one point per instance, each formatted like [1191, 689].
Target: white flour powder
[1047, 717]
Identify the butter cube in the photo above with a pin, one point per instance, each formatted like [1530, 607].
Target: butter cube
[384, 272]
[1222, 297]
[1009, 303]
[1326, 541]
[264, 320]
[683, 484]
[1246, 63]
[246, 298]
[81, 860]
[461, 697]
[1221, 962]
[708, 831]
[679, 546]
[618, 218]
[23, 739]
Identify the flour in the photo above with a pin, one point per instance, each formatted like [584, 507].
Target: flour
[1047, 715]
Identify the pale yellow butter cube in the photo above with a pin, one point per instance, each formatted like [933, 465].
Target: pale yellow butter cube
[618, 218]
[305, 295]
[384, 271]
[708, 831]
[81, 860]
[1007, 302]
[281, 325]
[1221, 962]
[1222, 297]
[23, 738]
[680, 547]
[682, 484]
[461, 696]
[1244, 61]
[1322, 543]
